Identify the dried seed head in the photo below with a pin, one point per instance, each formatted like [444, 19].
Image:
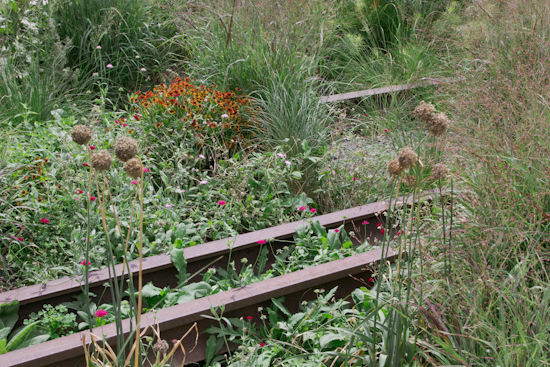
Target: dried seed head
[161, 346]
[407, 158]
[101, 160]
[133, 168]
[410, 180]
[126, 148]
[424, 111]
[440, 171]
[81, 134]
[394, 169]
[438, 124]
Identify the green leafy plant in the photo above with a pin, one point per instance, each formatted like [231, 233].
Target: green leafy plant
[22, 337]
[54, 321]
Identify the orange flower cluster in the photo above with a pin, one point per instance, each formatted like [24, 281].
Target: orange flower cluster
[205, 111]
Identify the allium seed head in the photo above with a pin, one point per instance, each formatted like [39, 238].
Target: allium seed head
[101, 160]
[126, 148]
[410, 180]
[81, 134]
[438, 124]
[133, 168]
[394, 169]
[407, 158]
[424, 111]
[440, 171]
[161, 346]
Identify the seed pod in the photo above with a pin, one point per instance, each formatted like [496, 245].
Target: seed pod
[394, 169]
[126, 148]
[407, 158]
[133, 168]
[101, 160]
[440, 171]
[81, 134]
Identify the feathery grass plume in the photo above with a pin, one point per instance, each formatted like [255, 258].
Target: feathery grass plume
[81, 134]
[102, 160]
[161, 346]
[440, 171]
[407, 158]
[394, 168]
[126, 148]
[410, 180]
[133, 168]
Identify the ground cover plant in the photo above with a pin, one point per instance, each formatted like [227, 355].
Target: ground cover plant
[240, 141]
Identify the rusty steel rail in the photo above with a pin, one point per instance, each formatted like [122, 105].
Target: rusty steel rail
[174, 321]
[384, 90]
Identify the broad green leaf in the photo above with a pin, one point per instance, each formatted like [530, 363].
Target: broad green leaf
[279, 303]
[8, 309]
[21, 336]
[150, 291]
[180, 263]
[3, 346]
[33, 341]
[327, 338]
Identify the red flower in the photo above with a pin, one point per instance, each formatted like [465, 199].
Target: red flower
[379, 225]
[85, 164]
[355, 179]
[249, 317]
[83, 263]
[92, 147]
[262, 344]
[19, 238]
[382, 231]
[261, 242]
[92, 198]
[370, 280]
[221, 202]
[313, 210]
[124, 125]
[100, 313]
[136, 117]
[44, 220]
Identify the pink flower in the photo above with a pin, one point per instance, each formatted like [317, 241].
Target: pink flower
[261, 242]
[249, 317]
[100, 313]
[136, 117]
[202, 156]
[313, 210]
[365, 223]
[85, 164]
[336, 230]
[281, 155]
[262, 344]
[301, 209]
[19, 238]
[382, 231]
[44, 220]
[124, 125]
[92, 147]
[379, 224]
[370, 280]
[76, 199]
[83, 263]
[288, 163]
[145, 170]
[142, 69]
[98, 47]
[366, 114]
[92, 198]
[168, 206]
[78, 192]
[203, 182]
[109, 66]
[221, 202]
[116, 121]
[386, 130]
[134, 182]
[175, 341]
[354, 179]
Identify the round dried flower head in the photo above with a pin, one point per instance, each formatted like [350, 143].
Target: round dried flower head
[424, 111]
[438, 124]
[440, 171]
[410, 180]
[101, 160]
[81, 134]
[161, 346]
[394, 169]
[133, 168]
[407, 158]
[126, 148]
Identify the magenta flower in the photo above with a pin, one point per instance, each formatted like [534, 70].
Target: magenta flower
[83, 263]
[365, 223]
[262, 344]
[301, 209]
[386, 130]
[354, 179]
[379, 225]
[221, 202]
[261, 242]
[100, 313]
[124, 125]
[136, 117]
[313, 210]
[20, 239]
[85, 164]
[134, 182]
[370, 280]
[382, 231]
[336, 230]
[249, 317]
[92, 198]
[45, 221]
[145, 170]
[76, 199]
[78, 192]
[92, 147]
[109, 66]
